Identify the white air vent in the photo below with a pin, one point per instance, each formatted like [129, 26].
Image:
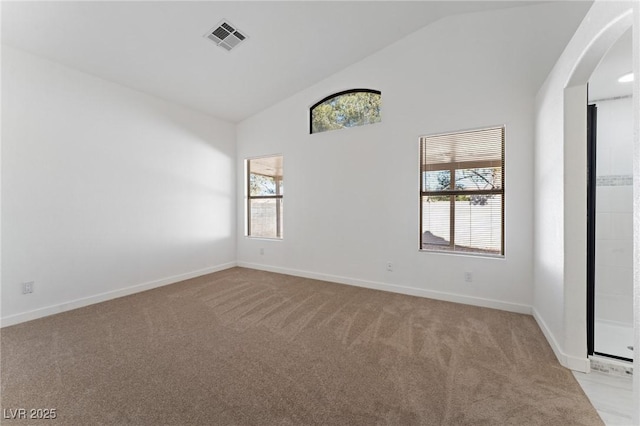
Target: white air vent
[226, 35]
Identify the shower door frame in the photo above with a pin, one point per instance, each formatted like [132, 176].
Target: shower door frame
[592, 125]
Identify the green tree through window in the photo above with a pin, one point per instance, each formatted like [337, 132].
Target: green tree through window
[351, 108]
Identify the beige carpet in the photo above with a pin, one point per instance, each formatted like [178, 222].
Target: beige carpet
[242, 347]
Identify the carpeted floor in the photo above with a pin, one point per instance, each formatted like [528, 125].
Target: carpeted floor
[245, 347]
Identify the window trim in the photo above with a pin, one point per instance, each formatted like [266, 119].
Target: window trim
[335, 95]
[453, 193]
[279, 235]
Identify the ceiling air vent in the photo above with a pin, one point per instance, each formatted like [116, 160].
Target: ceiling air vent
[226, 35]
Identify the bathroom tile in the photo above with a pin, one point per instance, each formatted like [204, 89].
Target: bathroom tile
[611, 395]
[616, 280]
[621, 199]
[614, 252]
[613, 419]
[603, 225]
[604, 195]
[617, 308]
[622, 226]
[603, 158]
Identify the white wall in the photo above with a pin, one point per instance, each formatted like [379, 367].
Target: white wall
[636, 208]
[105, 190]
[614, 213]
[351, 199]
[560, 183]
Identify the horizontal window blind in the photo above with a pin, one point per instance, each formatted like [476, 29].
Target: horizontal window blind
[462, 191]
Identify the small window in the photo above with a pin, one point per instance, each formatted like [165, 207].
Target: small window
[264, 197]
[346, 109]
[462, 192]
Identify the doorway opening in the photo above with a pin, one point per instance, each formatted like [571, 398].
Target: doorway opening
[610, 205]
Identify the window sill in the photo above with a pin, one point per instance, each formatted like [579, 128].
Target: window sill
[263, 238]
[463, 253]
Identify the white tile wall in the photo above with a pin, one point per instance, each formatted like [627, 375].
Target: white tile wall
[618, 279]
[617, 198]
[615, 137]
[614, 214]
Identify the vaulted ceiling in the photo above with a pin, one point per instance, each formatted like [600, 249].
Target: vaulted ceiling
[159, 47]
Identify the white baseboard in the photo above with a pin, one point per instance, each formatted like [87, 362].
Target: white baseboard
[393, 288]
[575, 363]
[102, 297]
[571, 362]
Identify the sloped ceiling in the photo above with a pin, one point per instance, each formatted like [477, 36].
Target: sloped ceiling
[159, 47]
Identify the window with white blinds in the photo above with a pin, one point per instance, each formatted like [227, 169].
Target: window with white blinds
[462, 192]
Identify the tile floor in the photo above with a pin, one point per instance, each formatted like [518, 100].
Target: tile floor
[611, 395]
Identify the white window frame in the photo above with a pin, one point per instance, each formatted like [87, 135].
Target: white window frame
[277, 196]
[452, 193]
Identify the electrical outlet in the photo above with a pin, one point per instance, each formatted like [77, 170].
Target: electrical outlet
[261, 251]
[389, 267]
[27, 287]
[468, 277]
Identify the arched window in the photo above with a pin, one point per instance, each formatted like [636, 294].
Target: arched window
[350, 108]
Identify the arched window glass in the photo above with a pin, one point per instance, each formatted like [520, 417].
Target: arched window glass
[350, 108]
